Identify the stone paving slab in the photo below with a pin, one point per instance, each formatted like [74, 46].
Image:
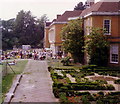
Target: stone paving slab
[35, 85]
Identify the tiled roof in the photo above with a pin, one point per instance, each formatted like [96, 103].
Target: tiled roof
[47, 24]
[102, 7]
[64, 17]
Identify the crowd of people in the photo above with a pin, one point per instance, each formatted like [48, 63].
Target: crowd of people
[39, 54]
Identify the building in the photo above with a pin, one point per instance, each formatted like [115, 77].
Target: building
[52, 31]
[105, 15]
[101, 14]
[46, 31]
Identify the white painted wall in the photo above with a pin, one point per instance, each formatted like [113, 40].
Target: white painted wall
[52, 35]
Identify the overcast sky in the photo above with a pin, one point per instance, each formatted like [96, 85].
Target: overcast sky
[10, 8]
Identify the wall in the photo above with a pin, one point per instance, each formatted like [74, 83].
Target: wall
[58, 27]
[97, 22]
[46, 41]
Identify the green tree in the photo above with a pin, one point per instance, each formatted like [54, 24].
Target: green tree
[73, 35]
[7, 34]
[79, 6]
[97, 46]
[29, 29]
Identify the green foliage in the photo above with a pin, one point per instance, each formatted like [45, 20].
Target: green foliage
[66, 61]
[7, 82]
[24, 29]
[85, 100]
[117, 81]
[63, 97]
[7, 34]
[72, 33]
[96, 45]
[79, 6]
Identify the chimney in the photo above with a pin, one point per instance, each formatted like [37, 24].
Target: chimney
[58, 16]
[89, 3]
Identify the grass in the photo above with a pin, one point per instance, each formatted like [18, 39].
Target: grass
[19, 67]
[6, 83]
[56, 63]
[8, 79]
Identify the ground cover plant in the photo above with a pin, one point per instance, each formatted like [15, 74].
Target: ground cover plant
[67, 91]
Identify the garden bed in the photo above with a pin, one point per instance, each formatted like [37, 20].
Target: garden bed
[67, 91]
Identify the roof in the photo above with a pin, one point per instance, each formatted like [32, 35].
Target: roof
[64, 17]
[102, 7]
[47, 24]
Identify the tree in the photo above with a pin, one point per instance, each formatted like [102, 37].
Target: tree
[29, 29]
[7, 34]
[79, 6]
[24, 29]
[97, 46]
[72, 33]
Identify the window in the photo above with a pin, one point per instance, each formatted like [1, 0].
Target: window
[107, 27]
[114, 54]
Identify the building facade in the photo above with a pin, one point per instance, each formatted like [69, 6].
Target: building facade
[105, 15]
[102, 14]
[53, 31]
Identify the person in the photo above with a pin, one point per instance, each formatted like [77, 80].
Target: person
[21, 54]
[12, 63]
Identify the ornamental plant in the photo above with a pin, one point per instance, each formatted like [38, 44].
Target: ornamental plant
[73, 37]
[97, 47]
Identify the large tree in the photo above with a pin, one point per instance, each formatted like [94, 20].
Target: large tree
[72, 33]
[8, 38]
[29, 29]
[97, 46]
[24, 29]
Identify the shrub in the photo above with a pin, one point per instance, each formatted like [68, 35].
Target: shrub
[110, 87]
[117, 81]
[70, 93]
[56, 92]
[64, 88]
[85, 100]
[115, 93]
[49, 69]
[63, 97]
[82, 93]
[101, 93]
[58, 85]
[66, 61]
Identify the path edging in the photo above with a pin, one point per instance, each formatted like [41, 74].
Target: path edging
[12, 90]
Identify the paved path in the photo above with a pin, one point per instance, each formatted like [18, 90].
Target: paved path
[36, 84]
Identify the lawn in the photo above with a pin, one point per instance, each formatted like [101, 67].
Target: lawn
[8, 79]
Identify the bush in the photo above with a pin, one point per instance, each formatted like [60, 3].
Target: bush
[115, 93]
[82, 93]
[110, 87]
[49, 69]
[101, 93]
[85, 100]
[56, 92]
[58, 85]
[117, 81]
[64, 88]
[66, 61]
[63, 97]
[70, 93]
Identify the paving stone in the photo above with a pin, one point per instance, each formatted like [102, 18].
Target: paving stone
[36, 86]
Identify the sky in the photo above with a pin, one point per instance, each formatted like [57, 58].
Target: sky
[10, 8]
